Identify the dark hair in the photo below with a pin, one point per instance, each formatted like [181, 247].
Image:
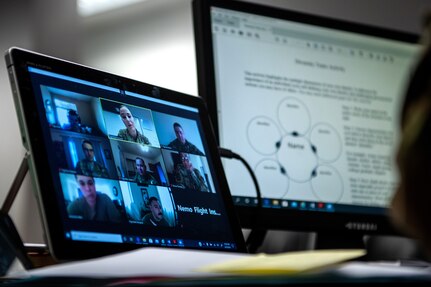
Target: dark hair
[177, 125]
[86, 142]
[151, 199]
[80, 174]
[140, 158]
[411, 201]
[419, 82]
[71, 112]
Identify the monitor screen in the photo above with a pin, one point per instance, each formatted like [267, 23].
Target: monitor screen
[312, 104]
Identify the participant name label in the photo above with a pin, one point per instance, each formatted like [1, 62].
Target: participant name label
[198, 210]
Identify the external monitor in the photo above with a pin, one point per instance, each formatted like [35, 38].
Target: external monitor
[312, 104]
[119, 164]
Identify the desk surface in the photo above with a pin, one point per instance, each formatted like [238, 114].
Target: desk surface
[162, 267]
[327, 279]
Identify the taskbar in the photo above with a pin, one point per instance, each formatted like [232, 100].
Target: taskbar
[77, 235]
[287, 204]
[283, 203]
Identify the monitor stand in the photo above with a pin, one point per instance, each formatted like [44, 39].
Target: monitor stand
[378, 247]
[332, 240]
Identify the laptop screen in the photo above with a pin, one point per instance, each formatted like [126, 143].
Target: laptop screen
[128, 167]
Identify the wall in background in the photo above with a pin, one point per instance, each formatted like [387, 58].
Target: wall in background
[383, 13]
[33, 25]
[151, 42]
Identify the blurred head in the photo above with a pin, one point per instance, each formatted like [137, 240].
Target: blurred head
[155, 207]
[88, 188]
[140, 165]
[127, 118]
[73, 117]
[87, 148]
[186, 160]
[179, 132]
[410, 205]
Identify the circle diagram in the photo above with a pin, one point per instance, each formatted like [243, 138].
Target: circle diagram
[269, 175]
[293, 116]
[327, 185]
[262, 134]
[298, 152]
[297, 158]
[327, 142]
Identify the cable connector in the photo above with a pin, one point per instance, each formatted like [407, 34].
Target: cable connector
[227, 153]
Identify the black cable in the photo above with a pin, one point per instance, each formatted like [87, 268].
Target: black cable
[257, 234]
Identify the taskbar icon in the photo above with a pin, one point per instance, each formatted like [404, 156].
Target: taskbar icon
[153, 241]
[284, 203]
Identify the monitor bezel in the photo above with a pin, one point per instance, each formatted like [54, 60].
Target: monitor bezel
[18, 60]
[269, 218]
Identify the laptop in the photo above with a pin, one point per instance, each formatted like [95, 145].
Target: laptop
[119, 164]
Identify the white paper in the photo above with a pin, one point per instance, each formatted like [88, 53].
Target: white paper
[140, 263]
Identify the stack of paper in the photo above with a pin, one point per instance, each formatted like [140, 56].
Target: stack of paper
[283, 264]
[162, 262]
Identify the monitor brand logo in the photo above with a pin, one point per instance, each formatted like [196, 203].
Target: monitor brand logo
[368, 226]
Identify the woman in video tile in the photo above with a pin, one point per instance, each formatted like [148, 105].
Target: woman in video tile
[130, 133]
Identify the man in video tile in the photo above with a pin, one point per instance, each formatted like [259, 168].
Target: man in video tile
[188, 176]
[143, 176]
[181, 143]
[92, 205]
[88, 166]
[155, 217]
[130, 133]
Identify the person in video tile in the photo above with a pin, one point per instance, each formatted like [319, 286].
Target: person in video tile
[74, 123]
[88, 166]
[92, 205]
[181, 143]
[143, 176]
[188, 176]
[155, 217]
[130, 133]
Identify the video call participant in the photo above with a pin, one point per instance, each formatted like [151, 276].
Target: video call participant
[130, 133]
[410, 205]
[181, 143]
[188, 176]
[88, 166]
[155, 217]
[143, 176]
[74, 122]
[92, 205]
[144, 203]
